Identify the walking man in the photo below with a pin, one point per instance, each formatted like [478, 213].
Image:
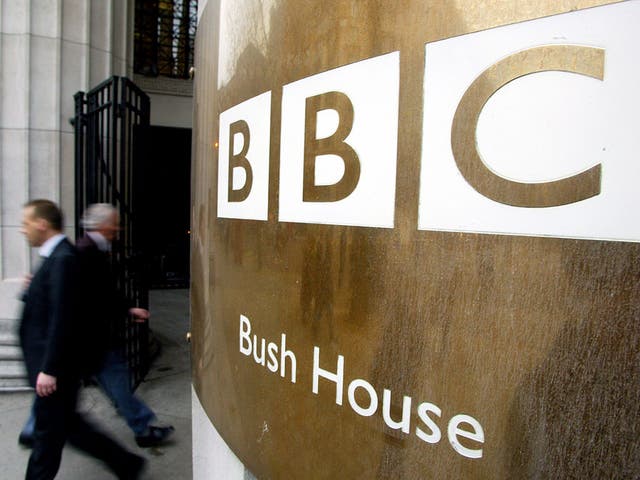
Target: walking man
[109, 309]
[50, 347]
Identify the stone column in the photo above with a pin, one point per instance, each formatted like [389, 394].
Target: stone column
[50, 50]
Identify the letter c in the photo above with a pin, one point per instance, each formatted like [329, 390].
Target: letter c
[587, 61]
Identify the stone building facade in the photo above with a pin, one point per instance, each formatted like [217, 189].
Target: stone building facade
[51, 49]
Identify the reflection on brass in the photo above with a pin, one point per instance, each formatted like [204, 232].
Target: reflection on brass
[188, 337]
[239, 161]
[332, 145]
[568, 58]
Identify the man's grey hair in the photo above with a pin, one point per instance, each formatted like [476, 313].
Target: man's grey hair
[97, 214]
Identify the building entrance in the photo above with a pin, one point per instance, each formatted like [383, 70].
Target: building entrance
[165, 191]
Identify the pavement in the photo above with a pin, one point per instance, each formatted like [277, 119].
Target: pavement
[166, 389]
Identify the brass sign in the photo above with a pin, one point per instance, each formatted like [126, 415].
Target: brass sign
[387, 281]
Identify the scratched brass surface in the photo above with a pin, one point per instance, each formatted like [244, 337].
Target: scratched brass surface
[537, 338]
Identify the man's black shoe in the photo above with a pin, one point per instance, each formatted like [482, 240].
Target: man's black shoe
[154, 436]
[25, 440]
[133, 468]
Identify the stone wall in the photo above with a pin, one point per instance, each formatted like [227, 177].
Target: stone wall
[50, 50]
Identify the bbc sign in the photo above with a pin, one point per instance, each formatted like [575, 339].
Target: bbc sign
[528, 129]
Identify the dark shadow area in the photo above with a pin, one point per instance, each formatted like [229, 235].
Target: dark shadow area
[165, 185]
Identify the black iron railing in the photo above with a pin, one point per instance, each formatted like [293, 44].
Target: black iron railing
[111, 124]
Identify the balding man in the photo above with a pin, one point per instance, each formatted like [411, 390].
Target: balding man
[109, 309]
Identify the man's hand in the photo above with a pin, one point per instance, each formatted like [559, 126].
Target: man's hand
[45, 384]
[140, 315]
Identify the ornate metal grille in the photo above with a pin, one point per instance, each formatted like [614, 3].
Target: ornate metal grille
[165, 32]
[111, 123]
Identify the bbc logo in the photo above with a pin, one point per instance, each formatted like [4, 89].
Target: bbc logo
[338, 149]
[524, 132]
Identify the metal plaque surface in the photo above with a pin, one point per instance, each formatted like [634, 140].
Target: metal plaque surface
[415, 237]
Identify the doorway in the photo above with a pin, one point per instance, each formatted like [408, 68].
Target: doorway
[164, 183]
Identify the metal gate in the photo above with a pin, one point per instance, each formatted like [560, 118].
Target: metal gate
[111, 124]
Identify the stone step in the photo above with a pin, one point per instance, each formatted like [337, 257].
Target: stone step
[9, 352]
[13, 375]
[9, 326]
[9, 338]
[12, 369]
[14, 385]
[9, 331]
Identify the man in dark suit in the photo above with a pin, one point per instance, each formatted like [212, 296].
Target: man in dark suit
[50, 346]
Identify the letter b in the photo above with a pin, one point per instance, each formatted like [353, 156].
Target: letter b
[332, 145]
[338, 145]
[239, 161]
[245, 132]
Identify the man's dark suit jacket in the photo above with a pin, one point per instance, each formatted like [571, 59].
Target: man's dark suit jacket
[54, 341]
[49, 315]
[107, 309]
